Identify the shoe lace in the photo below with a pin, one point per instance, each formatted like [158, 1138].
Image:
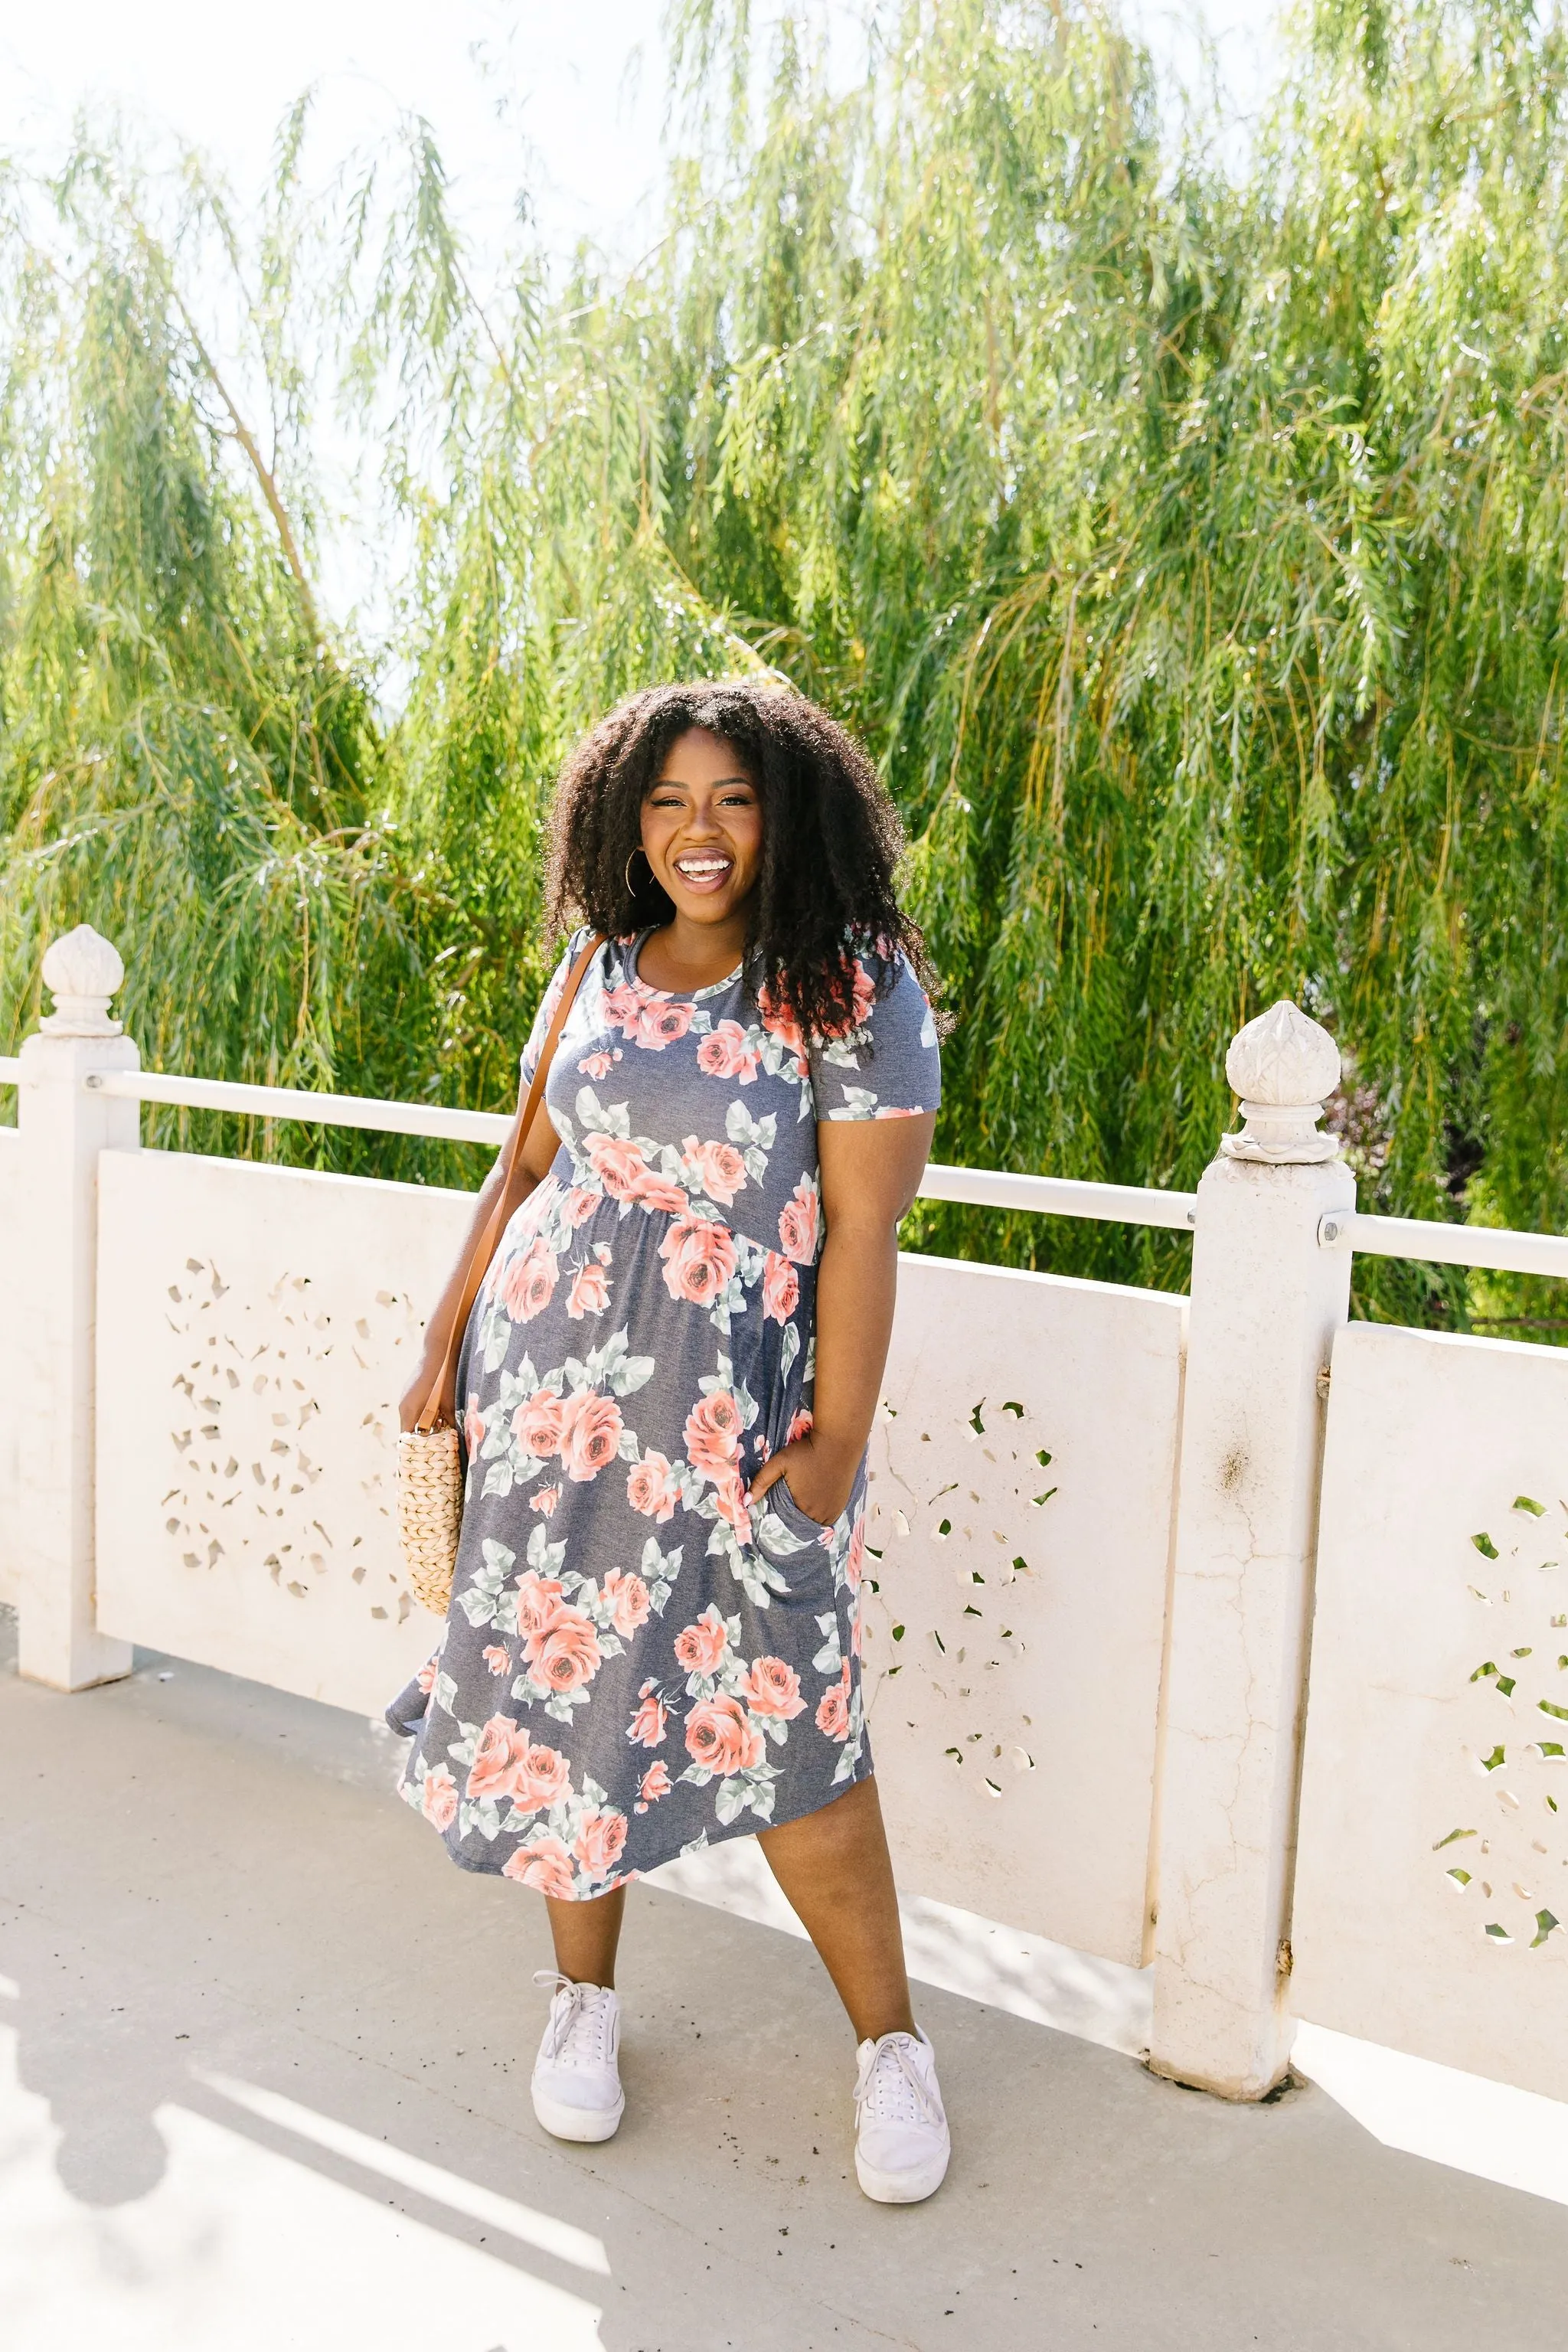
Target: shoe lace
[579, 2030]
[892, 2084]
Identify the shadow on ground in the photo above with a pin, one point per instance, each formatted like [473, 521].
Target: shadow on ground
[266, 2084]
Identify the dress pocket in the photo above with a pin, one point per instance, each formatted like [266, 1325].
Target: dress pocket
[786, 1535]
[795, 1519]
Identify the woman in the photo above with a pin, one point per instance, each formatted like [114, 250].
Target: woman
[668, 1378]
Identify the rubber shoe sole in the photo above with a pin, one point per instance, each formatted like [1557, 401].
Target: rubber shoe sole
[578, 2122]
[902, 2188]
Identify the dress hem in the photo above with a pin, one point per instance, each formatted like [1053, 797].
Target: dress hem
[748, 1827]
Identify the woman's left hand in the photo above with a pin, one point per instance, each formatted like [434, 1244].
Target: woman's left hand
[821, 1479]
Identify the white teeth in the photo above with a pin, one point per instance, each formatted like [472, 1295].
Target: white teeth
[702, 865]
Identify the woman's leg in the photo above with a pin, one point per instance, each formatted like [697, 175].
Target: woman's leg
[585, 1936]
[835, 1871]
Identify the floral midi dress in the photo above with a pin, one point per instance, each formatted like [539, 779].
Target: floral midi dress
[637, 1664]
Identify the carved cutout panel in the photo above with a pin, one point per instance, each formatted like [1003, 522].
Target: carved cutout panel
[1018, 1544]
[1432, 1884]
[256, 1327]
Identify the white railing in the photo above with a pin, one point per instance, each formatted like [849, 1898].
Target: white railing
[1428, 1239]
[1167, 1599]
[983, 1188]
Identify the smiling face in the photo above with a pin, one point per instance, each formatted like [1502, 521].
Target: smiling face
[702, 829]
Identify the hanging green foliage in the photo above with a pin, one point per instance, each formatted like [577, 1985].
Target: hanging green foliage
[1188, 544]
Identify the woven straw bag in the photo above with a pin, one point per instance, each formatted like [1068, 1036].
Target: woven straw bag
[429, 1459]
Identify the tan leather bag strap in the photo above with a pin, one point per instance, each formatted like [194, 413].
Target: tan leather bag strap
[501, 1215]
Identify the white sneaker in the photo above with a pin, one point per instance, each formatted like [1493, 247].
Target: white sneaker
[901, 2140]
[577, 2091]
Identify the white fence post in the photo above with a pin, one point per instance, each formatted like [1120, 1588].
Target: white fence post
[63, 1129]
[1267, 1300]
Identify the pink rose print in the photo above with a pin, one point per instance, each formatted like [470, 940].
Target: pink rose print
[862, 997]
[497, 1659]
[439, 1801]
[567, 1655]
[650, 1487]
[596, 1066]
[628, 1596]
[590, 1434]
[780, 1023]
[801, 1426]
[500, 1748]
[699, 1259]
[589, 1293]
[713, 1430]
[544, 1502]
[833, 1710]
[647, 1725]
[797, 1224]
[701, 1647]
[527, 1282]
[622, 1004]
[617, 1162]
[781, 1286]
[854, 1557]
[427, 1673]
[727, 1053]
[578, 1204]
[773, 1687]
[718, 1168]
[656, 1194]
[540, 1778]
[655, 1784]
[896, 1110]
[544, 1865]
[659, 1022]
[729, 1494]
[721, 1735]
[538, 1598]
[536, 1424]
[473, 1426]
[599, 1842]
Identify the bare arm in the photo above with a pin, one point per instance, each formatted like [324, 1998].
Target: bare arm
[538, 1152]
[870, 1171]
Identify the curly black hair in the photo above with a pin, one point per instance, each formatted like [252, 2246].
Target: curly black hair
[831, 841]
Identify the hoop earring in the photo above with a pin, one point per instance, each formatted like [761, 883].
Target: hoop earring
[638, 851]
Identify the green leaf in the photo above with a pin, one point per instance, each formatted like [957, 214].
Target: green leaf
[1485, 1546]
[1526, 1503]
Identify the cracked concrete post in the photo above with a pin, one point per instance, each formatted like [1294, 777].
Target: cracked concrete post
[63, 1129]
[1266, 1304]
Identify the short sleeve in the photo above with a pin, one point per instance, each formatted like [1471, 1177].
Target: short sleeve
[890, 1065]
[551, 999]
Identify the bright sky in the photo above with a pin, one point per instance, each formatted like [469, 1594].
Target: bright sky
[577, 92]
[567, 101]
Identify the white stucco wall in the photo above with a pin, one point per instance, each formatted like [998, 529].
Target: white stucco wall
[255, 1328]
[10, 1235]
[1013, 1723]
[1412, 1733]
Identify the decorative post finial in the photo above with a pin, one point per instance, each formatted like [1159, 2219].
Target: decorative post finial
[1282, 1066]
[83, 970]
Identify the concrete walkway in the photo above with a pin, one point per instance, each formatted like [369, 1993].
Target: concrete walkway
[264, 2059]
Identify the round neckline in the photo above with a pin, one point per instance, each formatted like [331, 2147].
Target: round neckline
[676, 995]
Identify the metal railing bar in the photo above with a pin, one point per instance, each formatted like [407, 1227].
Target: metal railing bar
[292, 1102]
[1060, 1196]
[1503, 1251]
[980, 1188]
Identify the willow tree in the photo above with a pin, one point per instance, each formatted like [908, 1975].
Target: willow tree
[1188, 546]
